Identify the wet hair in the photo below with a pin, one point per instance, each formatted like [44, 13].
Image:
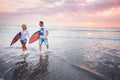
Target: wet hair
[41, 22]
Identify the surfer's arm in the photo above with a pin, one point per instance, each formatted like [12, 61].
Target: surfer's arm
[47, 32]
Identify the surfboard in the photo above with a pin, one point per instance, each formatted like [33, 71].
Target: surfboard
[16, 38]
[34, 37]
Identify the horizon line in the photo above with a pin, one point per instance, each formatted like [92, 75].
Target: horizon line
[63, 26]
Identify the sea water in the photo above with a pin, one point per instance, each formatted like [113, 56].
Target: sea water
[97, 48]
[8, 32]
[71, 35]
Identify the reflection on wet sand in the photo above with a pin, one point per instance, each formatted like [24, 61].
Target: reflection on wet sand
[41, 69]
[20, 69]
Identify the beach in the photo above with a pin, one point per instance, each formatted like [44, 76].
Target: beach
[76, 54]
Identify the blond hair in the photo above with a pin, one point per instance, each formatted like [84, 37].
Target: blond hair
[24, 26]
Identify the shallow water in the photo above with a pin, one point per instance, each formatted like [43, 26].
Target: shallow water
[96, 49]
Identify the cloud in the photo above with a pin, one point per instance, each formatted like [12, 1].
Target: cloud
[68, 10]
[56, 6]
[102, 5]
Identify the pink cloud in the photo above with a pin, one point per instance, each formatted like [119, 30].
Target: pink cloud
[99, 11]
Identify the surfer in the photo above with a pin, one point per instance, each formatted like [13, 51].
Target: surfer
[43, 36]
[23, 38]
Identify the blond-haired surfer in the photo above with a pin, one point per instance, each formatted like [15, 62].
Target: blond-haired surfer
[23, 38]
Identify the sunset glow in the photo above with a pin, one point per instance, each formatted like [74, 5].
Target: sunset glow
[89, 24]
[81, 13]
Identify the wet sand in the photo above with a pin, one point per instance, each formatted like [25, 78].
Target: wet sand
[62, 63]
[52, 67]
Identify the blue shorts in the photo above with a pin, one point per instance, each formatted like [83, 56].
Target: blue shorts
[23, 41]
[43, 40]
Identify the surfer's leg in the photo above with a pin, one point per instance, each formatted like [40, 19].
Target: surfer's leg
[25, 41]
[22, 49]
[25, 46]
[46, 43]
[40, 47]
[47, 46]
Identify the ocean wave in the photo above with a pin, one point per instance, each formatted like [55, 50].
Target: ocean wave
[88, 29]
[88, 37]
[67, 29]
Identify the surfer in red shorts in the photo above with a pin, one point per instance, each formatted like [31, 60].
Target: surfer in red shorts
[43, 36]
[23, 38]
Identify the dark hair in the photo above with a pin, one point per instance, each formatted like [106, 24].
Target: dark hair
[41, 22]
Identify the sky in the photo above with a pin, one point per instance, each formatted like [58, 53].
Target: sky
[79, 13]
